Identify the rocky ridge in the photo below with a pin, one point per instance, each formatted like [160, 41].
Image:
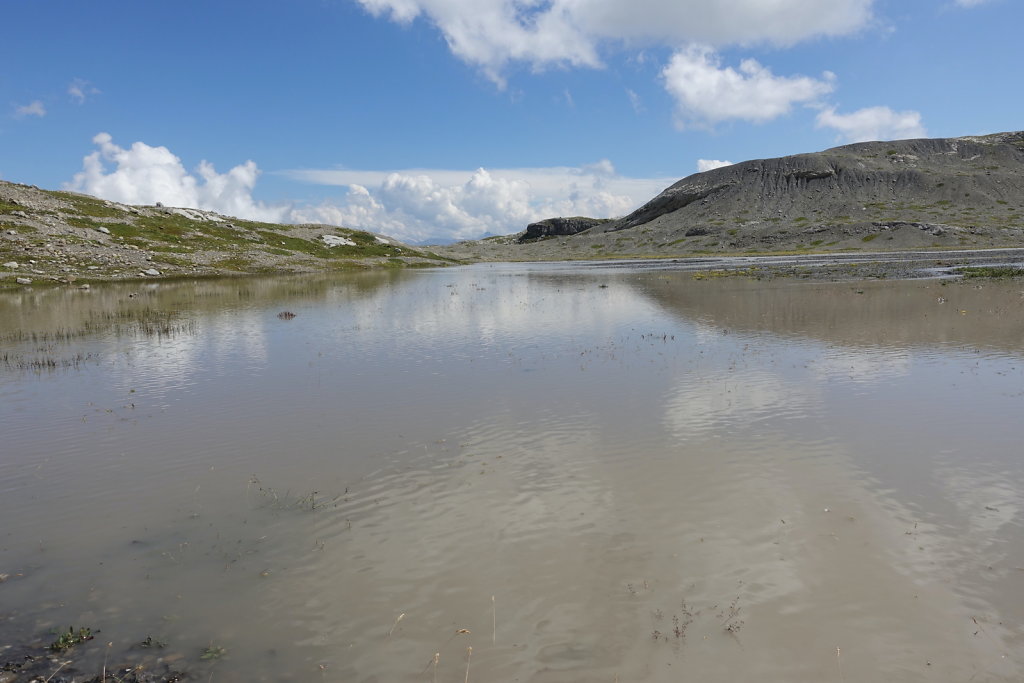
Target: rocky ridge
[965, 192]
[48, 236]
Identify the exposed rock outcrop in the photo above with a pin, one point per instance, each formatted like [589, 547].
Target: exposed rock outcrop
[549, 227]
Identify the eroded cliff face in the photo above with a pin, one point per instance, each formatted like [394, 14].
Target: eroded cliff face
[958, 182]
[941, 193]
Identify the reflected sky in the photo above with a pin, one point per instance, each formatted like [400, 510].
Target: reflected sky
[773, 468]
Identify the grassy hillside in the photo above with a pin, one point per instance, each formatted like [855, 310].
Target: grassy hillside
[48, 236]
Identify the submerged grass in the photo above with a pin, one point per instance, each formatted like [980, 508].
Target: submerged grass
[288, 501]
[995, 272]
[70, 638]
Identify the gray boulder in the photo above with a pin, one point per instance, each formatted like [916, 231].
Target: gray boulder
[550, 227]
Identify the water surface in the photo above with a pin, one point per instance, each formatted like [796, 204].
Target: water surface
[583, 474]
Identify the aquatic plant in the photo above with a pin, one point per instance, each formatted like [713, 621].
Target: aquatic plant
[66, 641]
[213, 652]
[991, 271]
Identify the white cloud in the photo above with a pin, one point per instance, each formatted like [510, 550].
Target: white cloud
[412, 205]
[418, 204]
[710, 164]
[145, 175]
[80, 90]
[970, 3]
[492, 33]
[873, 123]
[33, 108]
[635, 101]
[707, 93]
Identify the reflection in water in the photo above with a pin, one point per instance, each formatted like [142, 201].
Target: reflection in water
[583, 475]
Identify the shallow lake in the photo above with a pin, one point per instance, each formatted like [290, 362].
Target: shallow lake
[518, 473]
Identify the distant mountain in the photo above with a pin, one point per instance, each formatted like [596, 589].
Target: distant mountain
[943, 192]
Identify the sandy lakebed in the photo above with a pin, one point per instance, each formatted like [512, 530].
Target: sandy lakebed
[802, 469]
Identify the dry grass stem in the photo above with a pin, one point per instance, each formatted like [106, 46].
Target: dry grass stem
[469, 656]
[62, 665]
[105, 654]
[395, 625]
[494, 622]
[839, 663]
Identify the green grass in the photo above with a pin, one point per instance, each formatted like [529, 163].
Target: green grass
[88, 206]
[991, 271]
[67, 640]
[868, 238]
[238, 264]
[17, 227]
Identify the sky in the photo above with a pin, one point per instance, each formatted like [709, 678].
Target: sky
[436, 120]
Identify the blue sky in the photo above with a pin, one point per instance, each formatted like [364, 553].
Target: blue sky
[458, 118]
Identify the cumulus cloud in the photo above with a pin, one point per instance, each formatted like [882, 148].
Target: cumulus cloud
[419, 204]
[412, 205]
[492, 33]
[707, 93]
[33, 108]
[80, 90]
[710, 164]
[143, 174]
[872, 123]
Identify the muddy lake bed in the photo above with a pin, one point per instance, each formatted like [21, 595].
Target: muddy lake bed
[515, 473]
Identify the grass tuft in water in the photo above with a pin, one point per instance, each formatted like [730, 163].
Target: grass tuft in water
[991, 271]
[66, 641]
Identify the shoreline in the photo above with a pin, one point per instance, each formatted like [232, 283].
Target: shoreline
[897, 265]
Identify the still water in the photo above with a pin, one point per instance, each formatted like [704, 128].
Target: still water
[518, 473]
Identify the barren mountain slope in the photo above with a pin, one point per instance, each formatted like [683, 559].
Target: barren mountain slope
[944, 192]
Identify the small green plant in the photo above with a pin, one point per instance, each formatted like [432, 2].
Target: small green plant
[991, 271]
[150, 641]
[212, 653]
[868, 238]
[66, 641]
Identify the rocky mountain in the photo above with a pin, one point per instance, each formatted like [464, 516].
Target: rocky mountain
[48, 236]
[925, 193]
